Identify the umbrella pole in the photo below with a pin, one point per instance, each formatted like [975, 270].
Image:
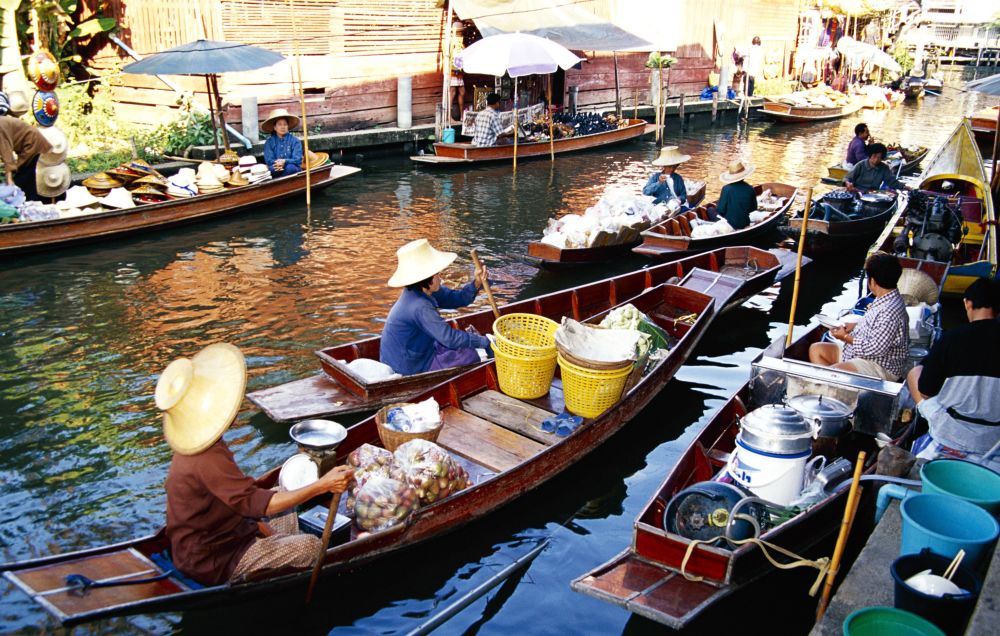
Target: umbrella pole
[211, 113]
[552, 139]
[516, 125]
[302, 103]
[218, 110]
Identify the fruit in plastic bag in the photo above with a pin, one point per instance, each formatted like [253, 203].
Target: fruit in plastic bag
[430, 470]
[384, 502]
[367, 461]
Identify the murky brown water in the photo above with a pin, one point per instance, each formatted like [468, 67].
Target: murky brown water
[84, 333]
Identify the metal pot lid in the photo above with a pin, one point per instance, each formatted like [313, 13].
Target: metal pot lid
[776, 421]
[820, 407]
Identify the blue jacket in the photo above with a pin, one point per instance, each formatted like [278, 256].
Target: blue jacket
[662, 192]
[736, 202]
[288, 148]
[414, 325]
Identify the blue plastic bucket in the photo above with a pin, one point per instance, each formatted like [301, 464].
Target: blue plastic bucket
[946, 525]
[950, 612]
[448, 135]
[888, 621]
[974, 483]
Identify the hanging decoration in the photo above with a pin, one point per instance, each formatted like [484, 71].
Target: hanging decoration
[45, 107]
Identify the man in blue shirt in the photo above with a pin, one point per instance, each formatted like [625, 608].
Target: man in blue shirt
[667, 184]
[738, 198]
[416, 338]
[857, 150]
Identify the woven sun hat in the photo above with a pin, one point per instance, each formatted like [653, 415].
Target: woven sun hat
[316, 159]
[247, 161]
[60, 146]
[670, 156]
[221, 171]
[917, 287]
[142, 166]
[148, 194]
[236, 179]
[43, 70]
[18, 99]
[101, 181]
[275, 115]
[152, 180]
[229, 158]
[118, 198]
[51, 181]
[737, 171]
[200, 396]
[418, 260]
[78, 197]
[123, 174]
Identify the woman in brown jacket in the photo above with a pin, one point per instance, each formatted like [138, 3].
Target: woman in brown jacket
[20, 145]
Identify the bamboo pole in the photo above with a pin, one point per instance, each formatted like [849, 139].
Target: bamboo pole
[302, 102]
[218, 111]
[853, 496]
[798, 265]
[618, 95]
[659, 109]
[325, 543]
[552, 138]
[635, 105]
[517, 126]
[446, 72]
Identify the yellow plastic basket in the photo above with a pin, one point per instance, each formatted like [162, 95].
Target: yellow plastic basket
[590, 392]
[524, 378]
[525, 336]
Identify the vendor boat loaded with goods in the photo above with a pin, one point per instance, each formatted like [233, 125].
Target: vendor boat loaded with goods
[765, 482]
[841, 220]
[730, 275]
[815, 104]
[554, 394]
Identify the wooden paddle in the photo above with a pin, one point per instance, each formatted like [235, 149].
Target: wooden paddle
[853, 497]
[327, 529]
[798, 265]
[486, 285]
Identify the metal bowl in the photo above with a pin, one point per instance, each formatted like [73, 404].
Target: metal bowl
[318, 435]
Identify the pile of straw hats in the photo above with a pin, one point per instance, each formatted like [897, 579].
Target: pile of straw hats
[208, 182]
[258, 172]
[148, 194]
[52, 176]
[118, 198]
[182, 184]
[101, 183]
[79, 200]
[315, 159]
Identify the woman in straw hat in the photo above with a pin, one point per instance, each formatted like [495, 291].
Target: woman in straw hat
[27, 143]
[738, 198]
[214, 511]
[282, 151]
[415, 338]
[667, 184]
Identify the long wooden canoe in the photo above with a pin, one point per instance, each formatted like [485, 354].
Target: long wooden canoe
[44, 235]
[496, 438]
[984, 127]
[730, 275]
[838, 172]
[673, 238]
[959, 163]
[831, 237]
[603, 250]
[797, 114]
[460, 153]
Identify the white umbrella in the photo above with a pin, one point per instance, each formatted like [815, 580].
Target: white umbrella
[863, 53]
[989, 86]
[515, 54]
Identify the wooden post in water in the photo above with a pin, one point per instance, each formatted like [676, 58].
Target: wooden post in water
[680, 112]
[798, 265]
[715, 106]
[635, 105]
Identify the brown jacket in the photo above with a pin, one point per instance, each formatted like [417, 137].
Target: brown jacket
[16, 136]
[212, 512]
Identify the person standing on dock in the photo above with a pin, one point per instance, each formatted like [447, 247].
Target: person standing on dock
[857, 150]
[27, 143]
[754, 64]
[667, 184]
[872, 174]
[282, 150]
[738, 198]
[957, 386]
[488, 126]
[215, 513]
[416, 338]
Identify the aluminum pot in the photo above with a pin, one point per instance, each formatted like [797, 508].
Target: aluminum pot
[777, 429]
[829, 415]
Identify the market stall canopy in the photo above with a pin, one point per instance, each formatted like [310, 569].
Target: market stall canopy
[516, 54]
[595, 25]
[205, 57]
[858, 53]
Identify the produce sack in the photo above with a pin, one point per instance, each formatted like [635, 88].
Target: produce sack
[383, 502]
[368, 461]
[628, 317]
[430, 470]
[595, 344]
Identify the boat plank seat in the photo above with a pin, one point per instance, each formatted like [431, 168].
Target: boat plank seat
[716, 284]
[511, 414]
[684, 225]
[49, 582]
[483, 442]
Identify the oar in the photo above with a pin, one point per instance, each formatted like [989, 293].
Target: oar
[486, 285]
[331, 515]
[798, 265]
[853, 496]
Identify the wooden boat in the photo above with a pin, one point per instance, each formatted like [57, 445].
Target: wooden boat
[824, 237]
[603, 250]
[984, 126]
[44, 235]
[912, 87]
[958, 164]
[796, 114]
[494, 437]
[673, 238]
[452, 154]
[730, 275]
[838, 172]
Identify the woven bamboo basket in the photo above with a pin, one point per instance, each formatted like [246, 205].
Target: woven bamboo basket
[391, 439]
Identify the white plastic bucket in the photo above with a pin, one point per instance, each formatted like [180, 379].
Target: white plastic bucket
[775, 478]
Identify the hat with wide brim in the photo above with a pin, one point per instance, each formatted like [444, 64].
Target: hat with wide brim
[237, 179]
[417, 261]
[316, 159]
[78, 197]
[670, 156]
[118, 198]
[917, 287]
[737, 171]
[151, 180]
[201, 396]
[60, 146]
[275, 115]
[51, 181]
[101, 181]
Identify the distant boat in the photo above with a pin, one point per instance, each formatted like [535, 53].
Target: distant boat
[789, 113]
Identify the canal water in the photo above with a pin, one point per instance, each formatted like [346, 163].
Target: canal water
[85, 332]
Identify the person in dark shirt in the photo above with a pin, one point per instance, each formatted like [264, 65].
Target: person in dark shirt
[738, 198]
[857, 150]
[872, 174]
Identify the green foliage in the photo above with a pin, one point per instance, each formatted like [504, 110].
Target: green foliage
[58, 31]
[901, 53]
[188, 128]
[660, 61]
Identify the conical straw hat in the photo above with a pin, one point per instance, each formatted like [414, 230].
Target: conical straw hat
[737, 171]
[315, 159]
[118, 198]
[201, 396]
[670, 156]
[916, 287]
[78, 197]
[275, 115]
[417, 261]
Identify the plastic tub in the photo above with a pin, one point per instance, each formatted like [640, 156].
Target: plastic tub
[949, 612]
[448, 135]
[946, 525]
[888, 621]
[974, 483]
[524, 378]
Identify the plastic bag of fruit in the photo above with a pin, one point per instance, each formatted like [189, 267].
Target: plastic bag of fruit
[368, 460]
[430, 470]
[383, 502]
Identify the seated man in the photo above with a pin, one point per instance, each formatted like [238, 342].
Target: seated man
[488, 123]
[857, 150]
[878, 344]
[215, 513]
[957, 387]
[738, 198]
[872, 174]
[667, 184]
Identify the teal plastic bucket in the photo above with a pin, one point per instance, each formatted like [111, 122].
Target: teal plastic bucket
[972, 482]
[946, 525]
[448, 135]
[888, 621]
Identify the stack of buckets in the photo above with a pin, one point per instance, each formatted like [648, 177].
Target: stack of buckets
[956, 511]
[525, 350]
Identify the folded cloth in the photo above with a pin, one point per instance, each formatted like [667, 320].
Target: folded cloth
[562, 424]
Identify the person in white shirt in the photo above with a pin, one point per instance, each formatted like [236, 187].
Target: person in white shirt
[754, 64]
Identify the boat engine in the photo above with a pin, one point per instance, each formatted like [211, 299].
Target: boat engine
[935, 226]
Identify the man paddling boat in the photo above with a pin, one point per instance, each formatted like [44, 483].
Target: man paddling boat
[666, 185]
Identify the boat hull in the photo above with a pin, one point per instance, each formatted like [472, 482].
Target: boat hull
[797, 114]
[824, 238]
